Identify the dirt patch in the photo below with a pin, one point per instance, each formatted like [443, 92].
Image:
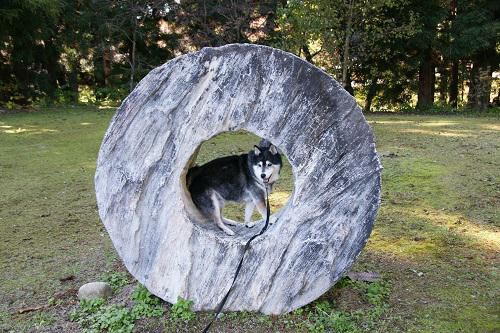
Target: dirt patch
[349, 299]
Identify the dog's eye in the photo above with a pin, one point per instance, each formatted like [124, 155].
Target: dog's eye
[269, 164]
[260, 164]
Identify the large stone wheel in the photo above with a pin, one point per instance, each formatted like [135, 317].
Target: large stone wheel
[154, 137]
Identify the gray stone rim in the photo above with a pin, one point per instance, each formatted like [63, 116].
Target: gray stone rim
[318, 234]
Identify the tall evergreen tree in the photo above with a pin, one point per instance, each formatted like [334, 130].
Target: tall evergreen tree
[28, 49]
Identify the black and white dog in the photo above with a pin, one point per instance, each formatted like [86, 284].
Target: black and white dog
[242, 178]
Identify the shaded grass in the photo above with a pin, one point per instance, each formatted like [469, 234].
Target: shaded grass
[49, 226]
[435, 241]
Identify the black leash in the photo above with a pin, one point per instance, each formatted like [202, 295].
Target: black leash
[247, 246]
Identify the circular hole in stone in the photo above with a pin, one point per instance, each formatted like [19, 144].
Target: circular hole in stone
[234, 144]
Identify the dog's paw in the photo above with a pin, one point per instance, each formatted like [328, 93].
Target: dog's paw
[229, 232]
[250, 224]
[230, 222]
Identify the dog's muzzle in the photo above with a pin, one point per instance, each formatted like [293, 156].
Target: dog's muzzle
[264, 179]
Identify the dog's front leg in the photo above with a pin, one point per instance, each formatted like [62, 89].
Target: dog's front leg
[217, 215]
[249, 208]
[261, 207]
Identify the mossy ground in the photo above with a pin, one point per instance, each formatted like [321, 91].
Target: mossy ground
[435, 241]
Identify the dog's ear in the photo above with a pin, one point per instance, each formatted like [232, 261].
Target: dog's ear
[273, 149]
[256, 150]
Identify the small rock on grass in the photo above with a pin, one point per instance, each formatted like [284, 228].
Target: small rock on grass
[94, 290]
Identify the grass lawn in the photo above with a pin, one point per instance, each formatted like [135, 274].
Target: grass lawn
[436, 240]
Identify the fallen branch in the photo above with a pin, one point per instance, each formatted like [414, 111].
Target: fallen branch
[31, 309]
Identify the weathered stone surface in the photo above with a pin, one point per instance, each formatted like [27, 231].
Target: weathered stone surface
[94, 290]
[154, 136]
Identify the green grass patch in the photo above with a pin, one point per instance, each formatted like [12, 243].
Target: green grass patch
[435, 242]
[325, 315]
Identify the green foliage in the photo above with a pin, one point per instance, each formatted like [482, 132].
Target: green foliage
[324, 317]
[11, 96]
[52, 301]
[28, 57]
[117, 280]
[68, 52]
[377, 293]
[147, 305]
[344, 282]
[474, 28]
[384, 43]
[181, 310]
[41, 319]
[375, 42]
[298, 312]
[96, 316]
[110, 95]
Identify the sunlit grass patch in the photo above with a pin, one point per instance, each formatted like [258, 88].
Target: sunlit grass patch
[439, 123]
[27, 130]
[437, 230]
[450, 133]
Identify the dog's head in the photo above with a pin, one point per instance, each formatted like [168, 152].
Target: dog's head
[265, 162]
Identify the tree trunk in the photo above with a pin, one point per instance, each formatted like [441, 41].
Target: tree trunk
[21, 73]
[370, 95]
[472, 98]
[52, 68]
[107, 63]
[132, 55]
[453, 90]
[481, 78]
[132, 60]
[484, 90]
[348, 84]
[453, 87]
[443, 83]
[307, 53]
[345, 61]
[73, 84]
[426, 80]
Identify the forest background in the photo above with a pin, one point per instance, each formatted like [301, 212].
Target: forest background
[392, 55]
